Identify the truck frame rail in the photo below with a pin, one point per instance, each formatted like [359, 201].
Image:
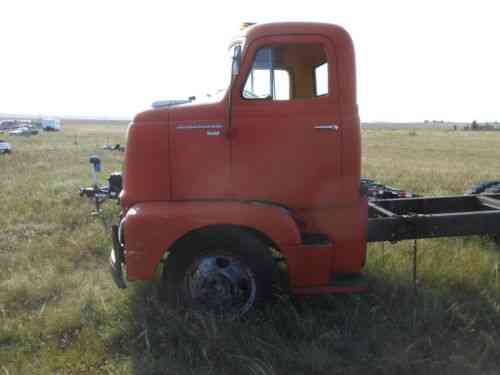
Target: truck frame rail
[424, 217]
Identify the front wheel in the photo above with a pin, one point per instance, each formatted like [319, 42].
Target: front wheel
[224, 273]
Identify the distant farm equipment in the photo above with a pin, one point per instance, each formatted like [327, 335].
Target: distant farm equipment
[374, 190]
[115, 147]
[99, 193]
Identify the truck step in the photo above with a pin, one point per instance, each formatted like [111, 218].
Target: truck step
[315, 239]
[343, 284]
[345, 280]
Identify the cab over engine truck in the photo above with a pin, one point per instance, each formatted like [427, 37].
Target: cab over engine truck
[214, 192]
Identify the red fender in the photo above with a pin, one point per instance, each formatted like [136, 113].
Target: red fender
[150, 229]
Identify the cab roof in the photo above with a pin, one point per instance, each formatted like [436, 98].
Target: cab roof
[334, 32]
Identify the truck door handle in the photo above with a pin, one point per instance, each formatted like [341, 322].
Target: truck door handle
[332, 127]
[214, 133]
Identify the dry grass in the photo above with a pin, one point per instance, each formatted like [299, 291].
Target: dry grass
[60, 312]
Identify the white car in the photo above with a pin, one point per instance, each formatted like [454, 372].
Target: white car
[5, 147]
[21, 131]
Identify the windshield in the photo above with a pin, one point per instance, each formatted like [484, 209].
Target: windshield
[233, 52]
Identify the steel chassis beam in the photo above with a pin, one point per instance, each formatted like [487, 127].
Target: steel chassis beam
[414, 218]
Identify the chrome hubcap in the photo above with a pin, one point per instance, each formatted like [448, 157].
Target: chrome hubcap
[220, 285]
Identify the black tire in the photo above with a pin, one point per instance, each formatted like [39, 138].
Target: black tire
[220, 266]
[482, 187]
[496, 239]
[493, 189]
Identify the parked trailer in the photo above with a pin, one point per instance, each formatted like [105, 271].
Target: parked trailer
[51, 124]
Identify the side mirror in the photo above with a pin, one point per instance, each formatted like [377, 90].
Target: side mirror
[235, 69]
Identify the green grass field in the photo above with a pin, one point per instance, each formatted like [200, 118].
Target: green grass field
[61, 314]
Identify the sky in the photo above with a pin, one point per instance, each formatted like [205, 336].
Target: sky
[416, 60]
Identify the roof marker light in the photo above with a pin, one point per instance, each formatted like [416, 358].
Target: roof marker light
[245, 25]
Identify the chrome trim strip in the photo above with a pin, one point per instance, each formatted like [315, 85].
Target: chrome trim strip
[191, 127]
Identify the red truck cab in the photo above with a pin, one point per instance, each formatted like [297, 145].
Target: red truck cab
[214, 191]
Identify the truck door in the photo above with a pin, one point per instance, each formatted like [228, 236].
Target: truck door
[199, 152]
[285, 135]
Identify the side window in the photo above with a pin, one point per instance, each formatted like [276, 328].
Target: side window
[287, 72]
[281, 88]
[321, 79]
[266, 81]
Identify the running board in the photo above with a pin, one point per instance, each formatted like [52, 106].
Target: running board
[340, 285]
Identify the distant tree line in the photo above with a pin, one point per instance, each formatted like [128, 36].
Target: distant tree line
[474, 125]
[485, 126]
